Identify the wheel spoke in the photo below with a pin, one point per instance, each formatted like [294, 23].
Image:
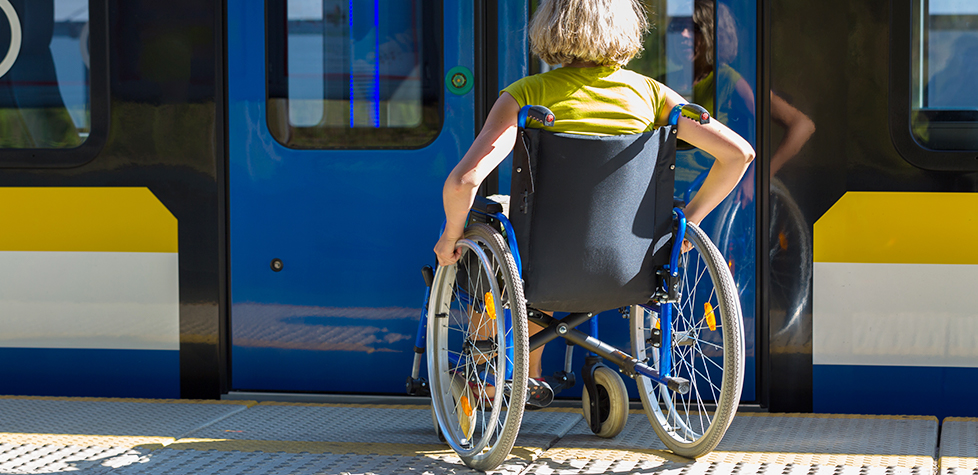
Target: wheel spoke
[690, 424]
[468, 349]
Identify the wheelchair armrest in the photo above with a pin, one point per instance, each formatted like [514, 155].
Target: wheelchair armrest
[486, 206]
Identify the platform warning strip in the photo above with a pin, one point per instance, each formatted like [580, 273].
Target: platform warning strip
[118, 436]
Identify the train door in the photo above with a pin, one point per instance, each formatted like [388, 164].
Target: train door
[344, 119]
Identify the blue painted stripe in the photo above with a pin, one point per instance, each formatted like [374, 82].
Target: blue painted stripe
[903, 390]
[90, 372]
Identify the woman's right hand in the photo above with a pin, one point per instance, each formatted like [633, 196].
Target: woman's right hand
[446, 250]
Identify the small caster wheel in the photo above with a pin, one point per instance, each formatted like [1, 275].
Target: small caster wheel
[613, 400]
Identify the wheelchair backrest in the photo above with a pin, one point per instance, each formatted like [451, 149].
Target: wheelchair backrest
[593, 223]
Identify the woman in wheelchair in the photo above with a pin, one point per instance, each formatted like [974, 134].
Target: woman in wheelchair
[592, 94]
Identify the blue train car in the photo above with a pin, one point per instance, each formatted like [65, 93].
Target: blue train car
[207, 199]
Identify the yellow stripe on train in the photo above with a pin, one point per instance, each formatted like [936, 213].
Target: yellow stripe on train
[116, 219]
[892, 281]
[899, 227]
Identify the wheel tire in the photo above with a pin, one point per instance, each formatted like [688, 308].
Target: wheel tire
[734, 231]
[460, 296]
[790, 263]
[690, 425]
[613, 396]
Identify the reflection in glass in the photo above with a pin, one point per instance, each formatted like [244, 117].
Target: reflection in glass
[668, 53]
[945, 105]
[339, 68]
[44, 83]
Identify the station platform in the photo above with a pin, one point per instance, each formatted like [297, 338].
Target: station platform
[160, 437]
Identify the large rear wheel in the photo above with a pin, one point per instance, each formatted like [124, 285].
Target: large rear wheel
[707, 349]
[478, 349]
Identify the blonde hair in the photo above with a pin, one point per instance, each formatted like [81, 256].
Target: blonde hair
[605, 32]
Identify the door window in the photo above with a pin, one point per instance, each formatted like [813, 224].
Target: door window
[44, 74]
[354, 74]
[944, 112]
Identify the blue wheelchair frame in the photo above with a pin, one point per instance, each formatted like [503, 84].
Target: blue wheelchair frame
[566, 327]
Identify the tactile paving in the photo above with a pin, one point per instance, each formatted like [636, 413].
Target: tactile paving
[108, 437]
[29, 458]
[832, 440]
[959, 446]
[44, 417]
[761, 443]
[182, 462]
[389, 430]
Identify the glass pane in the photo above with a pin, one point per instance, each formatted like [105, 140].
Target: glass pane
[945, 105]
[44, 81]
[700, 50]
[347, 73]
[668, 54]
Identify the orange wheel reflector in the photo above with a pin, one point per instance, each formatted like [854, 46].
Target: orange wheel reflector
[783, 241]
[710, 316]
[490, 306]
[466, 407]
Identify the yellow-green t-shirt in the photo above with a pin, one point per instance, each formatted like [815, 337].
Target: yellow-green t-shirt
[605, 100]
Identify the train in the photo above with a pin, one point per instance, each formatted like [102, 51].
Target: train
[233, 198]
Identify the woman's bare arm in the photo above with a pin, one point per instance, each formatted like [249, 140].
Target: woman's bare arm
[493, 144]
[732, 153]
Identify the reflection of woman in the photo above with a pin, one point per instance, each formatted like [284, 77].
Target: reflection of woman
[715, 81]
[727, 84]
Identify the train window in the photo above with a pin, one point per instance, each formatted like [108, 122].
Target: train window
[944, 111]
[353, 74]
[44, 75]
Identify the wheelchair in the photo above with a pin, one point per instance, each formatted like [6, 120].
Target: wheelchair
[592, 226]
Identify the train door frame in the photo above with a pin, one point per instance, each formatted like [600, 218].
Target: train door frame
[763, 218]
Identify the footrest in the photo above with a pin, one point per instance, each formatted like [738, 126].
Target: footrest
[560, 381]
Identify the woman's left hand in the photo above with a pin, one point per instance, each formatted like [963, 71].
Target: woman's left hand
[446, 251]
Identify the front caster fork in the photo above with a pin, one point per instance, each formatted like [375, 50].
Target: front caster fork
[598, 412]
